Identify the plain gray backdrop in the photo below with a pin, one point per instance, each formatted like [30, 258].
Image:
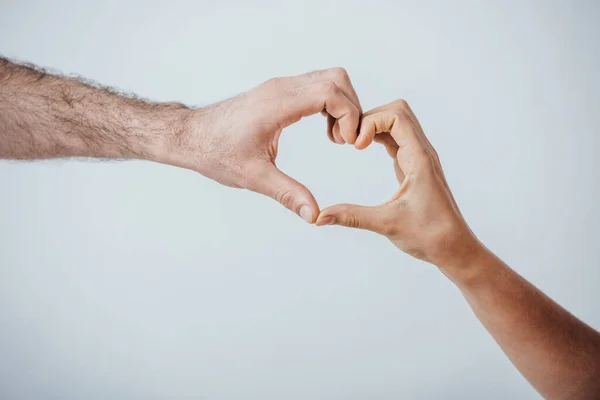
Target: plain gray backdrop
[137, 280]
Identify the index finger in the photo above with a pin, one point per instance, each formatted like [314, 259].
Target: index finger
[337, 74]
[340, 77]
[308, 100]
[394, 119]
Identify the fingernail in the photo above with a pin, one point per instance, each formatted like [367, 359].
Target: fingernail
[329, 220]
[306, 213]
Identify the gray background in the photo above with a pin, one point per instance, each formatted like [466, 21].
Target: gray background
[137, 280]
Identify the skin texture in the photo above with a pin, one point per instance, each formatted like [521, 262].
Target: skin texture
[235, 143]
[238, 138]
[557, 353]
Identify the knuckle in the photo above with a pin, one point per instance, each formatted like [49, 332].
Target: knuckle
[339, 72]
[399, 113]
[401, 104]
[353, 113]
[436, 157]
[351, 220]
[285, 197]
[329, 87]
[422, 157]
[425, 161]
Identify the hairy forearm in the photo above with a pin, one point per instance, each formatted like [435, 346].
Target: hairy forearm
[48, 116]
[556, 352]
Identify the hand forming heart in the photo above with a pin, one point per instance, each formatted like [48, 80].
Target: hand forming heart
[422, 218]
[235, 142]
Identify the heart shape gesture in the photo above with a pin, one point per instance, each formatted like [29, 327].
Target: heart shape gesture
[235, 142]
[422, 218]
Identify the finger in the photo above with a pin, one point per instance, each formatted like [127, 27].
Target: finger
[334, 134]
[338, 75]
[353, 216]
[341, 78]
[330, 123]
[392, 149]
[311, 99]
[287, 191]
[374, 122]
[412, 118]
[389, 143]
[377, 120]
[412, 151]
[366, 133]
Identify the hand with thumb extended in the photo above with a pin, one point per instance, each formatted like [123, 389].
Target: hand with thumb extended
[235, 142]
[422, 218]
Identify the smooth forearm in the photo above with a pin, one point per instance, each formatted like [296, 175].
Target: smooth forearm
[49, 116]
[556, 352]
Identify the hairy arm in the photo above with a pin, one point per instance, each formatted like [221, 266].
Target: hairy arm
[234, 142]
[557, 353]
[49, 116]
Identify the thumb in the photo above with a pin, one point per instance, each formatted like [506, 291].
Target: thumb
[289, 192]
[353, 216]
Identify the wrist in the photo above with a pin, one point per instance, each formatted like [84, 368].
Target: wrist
[467, 263]
[167, 142]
